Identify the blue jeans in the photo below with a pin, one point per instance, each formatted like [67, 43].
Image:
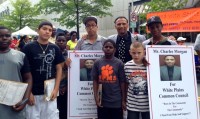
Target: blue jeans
[136, 115]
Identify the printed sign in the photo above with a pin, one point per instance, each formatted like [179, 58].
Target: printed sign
[186, 20]
[172, 84]
[81, 103]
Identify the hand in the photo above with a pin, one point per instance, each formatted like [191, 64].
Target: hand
[19, 107]
[63, 90]
[31, 100]
[98, 102]
[68, 62]
[124, 105]
[54, 94]
[84, 36]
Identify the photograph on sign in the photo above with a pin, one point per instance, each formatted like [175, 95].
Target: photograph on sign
[170, 68]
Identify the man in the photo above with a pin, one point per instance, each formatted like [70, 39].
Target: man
[155, 27]
[53, 36]
[46, 63]
[181, 41]
[170, 72]
[92, 41]
[124, 39]
[13, 67]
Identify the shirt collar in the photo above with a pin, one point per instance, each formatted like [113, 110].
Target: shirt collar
[97, 40]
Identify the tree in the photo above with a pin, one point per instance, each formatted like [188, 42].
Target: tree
[23, 14]
[72, 12]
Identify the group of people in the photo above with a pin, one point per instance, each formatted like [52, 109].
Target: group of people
[121, 72]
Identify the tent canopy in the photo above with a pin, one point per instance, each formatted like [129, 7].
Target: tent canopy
[25, 31]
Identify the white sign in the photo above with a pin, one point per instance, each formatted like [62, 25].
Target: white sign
[11, 92]
[81, 103]
[172, 82]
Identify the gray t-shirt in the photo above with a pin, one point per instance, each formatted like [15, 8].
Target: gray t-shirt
[86, 45]
[11, 65]
[110, 74]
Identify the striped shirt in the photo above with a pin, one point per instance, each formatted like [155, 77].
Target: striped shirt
[137, 95]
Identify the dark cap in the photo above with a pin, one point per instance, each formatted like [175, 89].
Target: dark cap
[90, 18]
[154, 19]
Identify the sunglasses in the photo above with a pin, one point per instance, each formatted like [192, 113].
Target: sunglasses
[5, 35]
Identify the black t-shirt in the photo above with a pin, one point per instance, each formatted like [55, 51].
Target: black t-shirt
[43, 65]
[164, 42]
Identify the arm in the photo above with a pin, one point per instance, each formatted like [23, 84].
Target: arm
[95, 89]
[27, 78]
[68, 48]
[122, 85]
[94, 74]
[123, 95]
[57, 81]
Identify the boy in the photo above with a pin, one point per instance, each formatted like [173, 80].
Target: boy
[13, 67]
[155, 27]
[46, 63]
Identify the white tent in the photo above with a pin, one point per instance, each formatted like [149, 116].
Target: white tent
[25, 31]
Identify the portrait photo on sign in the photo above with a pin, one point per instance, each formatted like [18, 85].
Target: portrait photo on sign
[170, 68]
[85, 69]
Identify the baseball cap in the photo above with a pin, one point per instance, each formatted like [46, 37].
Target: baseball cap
[181, 39]
[154, 19]
[89, 18]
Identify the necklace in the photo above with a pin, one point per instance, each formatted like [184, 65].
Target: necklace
[43, 50]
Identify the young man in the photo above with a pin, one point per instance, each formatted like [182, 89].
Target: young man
[108, 72]
[92, 40]
[46, 63]
[124, 38]
[155, 27]
[61, 41]
[14, 67]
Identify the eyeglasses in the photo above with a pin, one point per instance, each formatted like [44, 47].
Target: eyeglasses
[5, 35]
[92, 26]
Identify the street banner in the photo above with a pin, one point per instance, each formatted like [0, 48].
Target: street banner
[172, 84]
[185, 20]
[81, 103]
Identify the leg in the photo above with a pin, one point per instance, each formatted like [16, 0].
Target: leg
[62, 106]
[133, 115]
[102, 112]
[145, 115]
[116, 113]
[50, 110]
[33, 112]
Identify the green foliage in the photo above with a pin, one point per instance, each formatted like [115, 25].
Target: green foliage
[23, 14]
[164, 5]
[72, 12]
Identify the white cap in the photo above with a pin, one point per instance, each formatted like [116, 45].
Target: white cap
[181, 39]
